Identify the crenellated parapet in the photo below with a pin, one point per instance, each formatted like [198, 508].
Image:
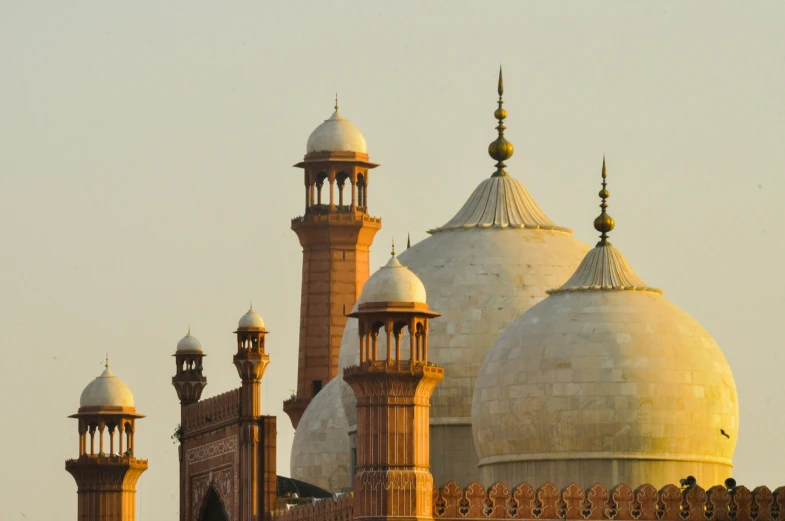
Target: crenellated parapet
[622, 502]
[339, 509]
[211, 412]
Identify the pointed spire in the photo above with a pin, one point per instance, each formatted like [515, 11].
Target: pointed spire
[392, 252]
[604, 222]
[106, 365]
[408, 240]
[336, 101]
[501, 149]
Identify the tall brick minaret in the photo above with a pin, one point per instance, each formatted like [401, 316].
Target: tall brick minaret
[393, 385]
[106, 470]
[335, 233]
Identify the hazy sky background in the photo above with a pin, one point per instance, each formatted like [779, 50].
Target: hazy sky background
[146, 183]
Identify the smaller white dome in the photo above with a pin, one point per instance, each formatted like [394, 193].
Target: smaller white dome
[106, 391]
[336, 135]
[189, 343]
[393, 282]
[251, 320]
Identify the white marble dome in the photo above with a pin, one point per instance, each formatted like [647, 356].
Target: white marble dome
[251, 320]
[490, 263]
[189, 343]
[106, 391]
[320, 451]
[605, 381]
[336, 134]
[393, 282]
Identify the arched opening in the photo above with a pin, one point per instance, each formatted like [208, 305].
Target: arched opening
[319, 184]
[362, 196]
[213, 508]
[341, 180]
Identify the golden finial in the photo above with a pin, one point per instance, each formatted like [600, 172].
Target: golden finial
[392, 252]
[336, 101]
[106, 365]
[604, 222]
[408, 240]
[501, 149]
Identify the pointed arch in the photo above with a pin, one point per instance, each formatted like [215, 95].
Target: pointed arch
[213, 508]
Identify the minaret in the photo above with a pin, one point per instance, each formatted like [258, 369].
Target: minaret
[335, 233]
[393, 386]
[257, 463]
[189, 382]
[106, 470]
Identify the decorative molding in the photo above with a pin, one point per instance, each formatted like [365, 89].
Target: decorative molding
[211, 450]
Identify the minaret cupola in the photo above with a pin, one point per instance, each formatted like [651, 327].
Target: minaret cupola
[189, 380]
[106, 470]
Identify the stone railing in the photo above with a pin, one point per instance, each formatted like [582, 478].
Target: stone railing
[338, 217]
[340, 509]
[644, 503]
[209, 413]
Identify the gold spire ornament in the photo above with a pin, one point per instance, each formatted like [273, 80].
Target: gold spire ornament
[604, 222]
[336, 101]
[392, 252]
[500, 149]
[408, 240]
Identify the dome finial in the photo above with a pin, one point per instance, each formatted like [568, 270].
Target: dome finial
[106, 365]
[336, 101]
[501, 149]
[408, 240]
[604, 222]
[392, 252]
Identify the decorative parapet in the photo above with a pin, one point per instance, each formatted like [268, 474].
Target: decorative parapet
[340, 509]
[209, 413]
[623, 503]
[340, 217]
[645, 503]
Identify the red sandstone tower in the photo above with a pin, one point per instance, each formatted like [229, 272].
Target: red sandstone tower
[393, 390]
[335, 233]
[227, 447]
[106, 470]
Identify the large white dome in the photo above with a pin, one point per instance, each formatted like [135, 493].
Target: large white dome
[494, 260]
[336, 134]
[320, 451]
[106, 391]
[605, 381]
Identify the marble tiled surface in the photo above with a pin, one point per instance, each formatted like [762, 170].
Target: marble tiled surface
[320, 451]
[616, 375]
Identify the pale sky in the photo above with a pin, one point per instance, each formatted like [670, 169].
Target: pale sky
[146, 183]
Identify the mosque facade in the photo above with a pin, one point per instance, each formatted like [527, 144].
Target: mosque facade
[499, 368]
